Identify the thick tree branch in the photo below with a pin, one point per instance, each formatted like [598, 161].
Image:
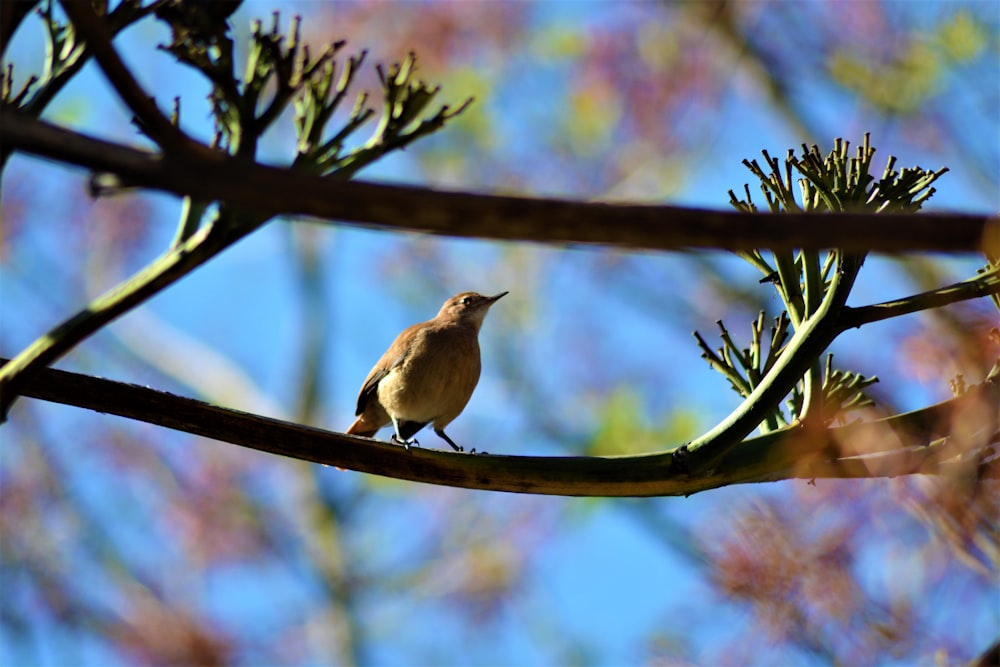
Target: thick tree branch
[788, 454]
[274, 191]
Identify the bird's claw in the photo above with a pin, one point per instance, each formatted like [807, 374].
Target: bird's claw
[405, 443]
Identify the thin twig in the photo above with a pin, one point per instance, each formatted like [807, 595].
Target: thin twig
[177, 262]
[168, 136]
[984, 284]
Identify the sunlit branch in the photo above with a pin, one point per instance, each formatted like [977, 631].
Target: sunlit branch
[984, 284]
[811, 338]
[167, 269]
[790, 453]
[896, 464]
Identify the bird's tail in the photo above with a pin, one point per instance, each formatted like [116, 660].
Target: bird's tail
[362, 427]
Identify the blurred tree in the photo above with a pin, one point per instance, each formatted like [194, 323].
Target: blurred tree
[268, 562]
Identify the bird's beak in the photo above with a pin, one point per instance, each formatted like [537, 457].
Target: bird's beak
[493, 299]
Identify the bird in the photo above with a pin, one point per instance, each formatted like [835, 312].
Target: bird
[427, 375]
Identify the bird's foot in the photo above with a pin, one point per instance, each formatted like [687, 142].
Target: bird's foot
[473, 451]
[444, 436]
[405, 443]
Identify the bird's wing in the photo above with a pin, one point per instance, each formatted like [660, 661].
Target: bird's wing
[381, 369]
[370, 387]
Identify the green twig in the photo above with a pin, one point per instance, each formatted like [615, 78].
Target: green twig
[174, 264]
[986, 283]
[812, 337]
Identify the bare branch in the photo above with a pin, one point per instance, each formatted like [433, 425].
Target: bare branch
[274, 191]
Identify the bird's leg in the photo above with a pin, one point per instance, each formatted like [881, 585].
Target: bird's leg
[443, 436]
[399, 439]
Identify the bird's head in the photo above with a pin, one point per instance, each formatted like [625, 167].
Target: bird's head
[468, 307]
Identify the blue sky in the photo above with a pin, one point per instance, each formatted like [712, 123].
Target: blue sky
[602, 575]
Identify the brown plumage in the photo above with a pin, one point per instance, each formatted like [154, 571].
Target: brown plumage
[428, 373]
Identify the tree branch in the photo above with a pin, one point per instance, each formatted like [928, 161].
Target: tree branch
[98, 37]
[813, 335]
[275, 191]
[787, 454]
[162, 272]
[984, 284]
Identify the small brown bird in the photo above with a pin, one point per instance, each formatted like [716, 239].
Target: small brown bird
[427, 374]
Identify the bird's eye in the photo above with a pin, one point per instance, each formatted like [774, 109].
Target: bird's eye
[466, 300]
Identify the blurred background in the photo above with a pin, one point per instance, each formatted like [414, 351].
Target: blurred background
[124, 543]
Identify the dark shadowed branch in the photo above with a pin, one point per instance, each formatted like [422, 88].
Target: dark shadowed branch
[267, 190]
[148, 115]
